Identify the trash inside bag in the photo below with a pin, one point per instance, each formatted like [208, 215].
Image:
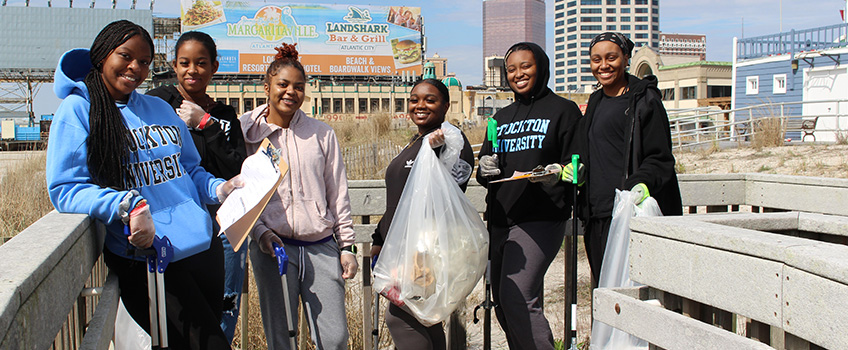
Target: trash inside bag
[615, 269]
[436, 248]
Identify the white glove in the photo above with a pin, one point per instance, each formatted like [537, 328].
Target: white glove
[488, 166]
[191, 113]
[224, 189]
[141, 225]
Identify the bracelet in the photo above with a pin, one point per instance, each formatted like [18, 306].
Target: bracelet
[203, 121]
[350, 249]
[139, 206]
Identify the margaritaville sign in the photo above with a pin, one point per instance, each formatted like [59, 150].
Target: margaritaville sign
[331, 39]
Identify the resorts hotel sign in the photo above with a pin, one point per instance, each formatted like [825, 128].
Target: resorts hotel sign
[331, 39]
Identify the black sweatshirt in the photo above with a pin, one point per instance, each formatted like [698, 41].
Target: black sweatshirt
[220, 144]
[396, 175]
[647, 147]
[534, 130]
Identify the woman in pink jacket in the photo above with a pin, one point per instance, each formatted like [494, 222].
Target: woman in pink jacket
[309, 215]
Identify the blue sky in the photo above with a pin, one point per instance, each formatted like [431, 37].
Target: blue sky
[454, 27]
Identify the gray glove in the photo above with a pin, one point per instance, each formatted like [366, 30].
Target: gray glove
[548, 180]
[488, 166]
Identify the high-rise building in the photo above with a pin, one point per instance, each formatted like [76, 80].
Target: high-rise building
[494, 73]
[576, 22]
[506, 22]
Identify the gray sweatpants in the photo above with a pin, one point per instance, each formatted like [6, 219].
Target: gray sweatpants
[315, 275]
[521, 254]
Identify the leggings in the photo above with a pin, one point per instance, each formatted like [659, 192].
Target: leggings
[521, 254]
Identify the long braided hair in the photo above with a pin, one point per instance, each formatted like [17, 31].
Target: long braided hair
[108, 139]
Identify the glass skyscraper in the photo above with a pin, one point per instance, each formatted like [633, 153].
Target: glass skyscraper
[506, 22]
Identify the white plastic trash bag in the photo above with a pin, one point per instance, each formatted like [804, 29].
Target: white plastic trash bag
[437, 245]
[128, 334]
[615, 270]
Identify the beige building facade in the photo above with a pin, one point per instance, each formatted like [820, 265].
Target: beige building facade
[685, 82]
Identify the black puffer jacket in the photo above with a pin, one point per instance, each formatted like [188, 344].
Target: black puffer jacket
[651, 161]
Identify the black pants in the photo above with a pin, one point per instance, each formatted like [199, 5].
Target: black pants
[595, 240]
[409, 334]
[521, 254]
[193, 289]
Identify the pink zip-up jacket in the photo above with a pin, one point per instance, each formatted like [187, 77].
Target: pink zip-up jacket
[311, 202]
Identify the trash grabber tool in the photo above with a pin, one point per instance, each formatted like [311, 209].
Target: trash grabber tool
[492, 136]
[282, 264]
[571, 322]
[157, 261]
[375, 318]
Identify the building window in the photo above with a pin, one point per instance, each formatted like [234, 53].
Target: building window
[641, 10]
[655, 11]
[584, 52]
[641, 2]
[560, 80]
[610, 2]
[560, 39]
[611, 27]
[572, 12]
[560, 64]
[584, 61]
[348, 106]
[641, 18]
[585, 70]
[248, 104]
[559, 30]
[625, 18]
[641, 35]
[560, 72]
[687, 93]
[560, 47]
[591, 19]
[641, 27]
[572, 4]
[559, 56]
[668, 94]
[611, 10]
[337, 105]
[752, 85]
[780, 84]
[595, 28]
[572, 70]
[570, 21]
[325, 105]
[625, 10]
[589, 36]
[572, 54]
[610, 19]
[560, 89]
[260, 101]
[590, 2]
[718, 91]
[363, 105]
[399, 105]
[625, 27]
[572, 87]
[385, 105]
[586, 44]
[572, 62]
[560, 23]
[625, 2]
[590, 10]
[572, 37]
[571, 46]
[587, 78]
[559, 7]
[559, 15]
[572, 79]
[235, 103]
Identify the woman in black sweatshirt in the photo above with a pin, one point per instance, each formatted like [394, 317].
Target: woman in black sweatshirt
[527, 219]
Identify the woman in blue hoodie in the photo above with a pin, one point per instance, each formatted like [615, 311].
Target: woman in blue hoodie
[126, 159]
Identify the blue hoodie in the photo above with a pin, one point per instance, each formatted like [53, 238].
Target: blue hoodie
[164, 165]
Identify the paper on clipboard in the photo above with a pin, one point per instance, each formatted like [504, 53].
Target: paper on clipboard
[518, 175]
[262, 173]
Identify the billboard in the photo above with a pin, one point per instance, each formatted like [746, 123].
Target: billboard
[331, 39]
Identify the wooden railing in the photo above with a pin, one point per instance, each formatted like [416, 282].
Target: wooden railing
[774, 278]
[699, 267]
